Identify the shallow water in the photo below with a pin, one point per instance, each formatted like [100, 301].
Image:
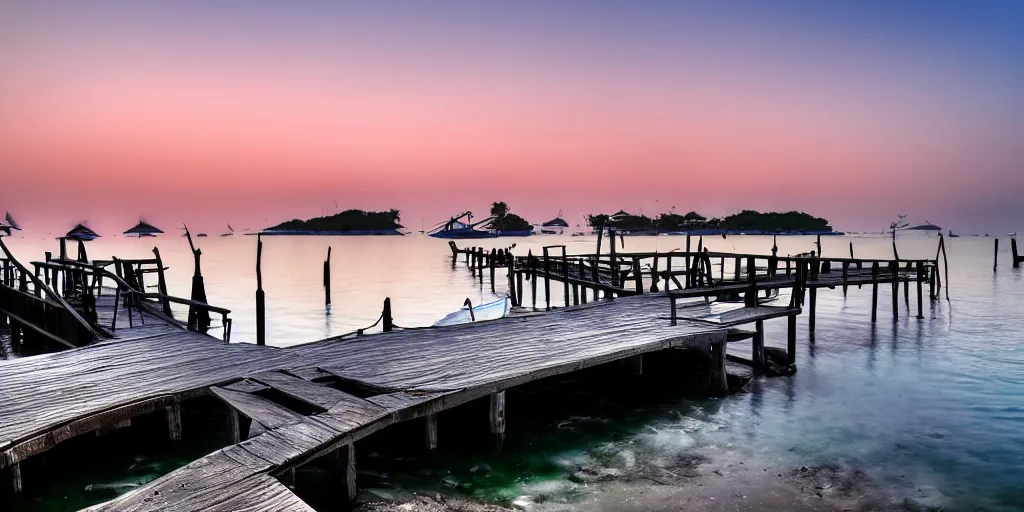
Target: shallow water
[930, 408]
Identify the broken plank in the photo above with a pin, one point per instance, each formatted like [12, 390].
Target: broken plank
[260, 410]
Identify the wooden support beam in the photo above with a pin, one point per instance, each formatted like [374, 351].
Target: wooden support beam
[14, 478]
[758, 344]
[1013, 253]
[791, 339]
[874, 292]
[547, 280]
[638, 276]
[430, 431]
[920, 290]
[497, 415]
[815, 267]
[174, 421]
[636, 364]
[894, 267]
[345, 471]
[565, 277]
[491, 266]
[719, 379]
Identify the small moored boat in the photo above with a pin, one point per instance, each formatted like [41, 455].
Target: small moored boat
[468, 313]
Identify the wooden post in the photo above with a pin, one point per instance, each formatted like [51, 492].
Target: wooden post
[614, 261]
[874, 292]
[490, 263]
[851, 250]
[533, 278]
[1013, 252]
[583, 279]
[846, 276]
[813, 291]
[906, 286]
[519, 288]
[161, 282]
[327, 281]
[920, 290]
[636, 364]
[791, 339]
[995, 260]
[750, 298]
[345, 470]
[430, 431]
[547, 281]
[758, 344]
[565, 276]
[198, 319]
[636, 275]
[386, 315]
[736, 270]
[174, 421]
[14, 474]
[480, 264]
[894, 268]
[654, 275]
[818, 243]
[668, 271]
[510, 265]
[497, 415]
[261, 305]
[688, 263]
[719, 379]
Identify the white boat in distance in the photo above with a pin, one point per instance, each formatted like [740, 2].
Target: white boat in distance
[490, 311]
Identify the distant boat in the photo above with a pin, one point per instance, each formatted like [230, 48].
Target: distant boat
[1012, 233]
[201, 235]
[927, 226]
[953, 235]
[81, 232]
[554, 226]
[490, 311]
[457, 229]
[143, 229]
[231, 231]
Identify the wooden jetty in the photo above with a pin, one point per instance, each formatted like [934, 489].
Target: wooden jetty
[314, 402]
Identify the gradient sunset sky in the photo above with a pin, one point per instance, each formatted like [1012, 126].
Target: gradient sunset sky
[249, 112]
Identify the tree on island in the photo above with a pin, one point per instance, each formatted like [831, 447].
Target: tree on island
[506, 221]
[348, 220]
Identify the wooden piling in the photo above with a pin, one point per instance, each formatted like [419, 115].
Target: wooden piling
[261, 304]
[995, 259]
[750, 297]
[874, 292]
[497, 415]
[791, 339]
[533, 278]
[327, 281]
[920, 290]
[386, 320]
[894, 268]
[636, 365]
[490, 264]
[1013, 253]
[14, 477]
[174, 421]
[430, 431]
[614, 261]
[512, 290]
[345, 471]
[637, 276]
[583, 278]
[480, 264]
[565, 277]
[757, 355]
[519, 288]
[161, 282]
[813, 292]
[547, 280]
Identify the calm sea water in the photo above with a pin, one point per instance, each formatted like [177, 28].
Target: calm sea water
[931, 408]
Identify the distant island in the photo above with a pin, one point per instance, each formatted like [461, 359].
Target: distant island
[346, 223]
[748, 222]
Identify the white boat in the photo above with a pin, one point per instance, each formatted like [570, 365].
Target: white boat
[490, 311]
[1012, 233]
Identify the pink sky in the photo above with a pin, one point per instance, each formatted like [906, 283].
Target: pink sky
[109, 118]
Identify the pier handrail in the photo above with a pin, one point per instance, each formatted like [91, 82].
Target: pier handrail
[126, 288]
[50, 293]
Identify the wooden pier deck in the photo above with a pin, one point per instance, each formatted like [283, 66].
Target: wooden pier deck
[399, 375]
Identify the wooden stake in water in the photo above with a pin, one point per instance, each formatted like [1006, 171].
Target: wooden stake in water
[327, 281]
[261, 306]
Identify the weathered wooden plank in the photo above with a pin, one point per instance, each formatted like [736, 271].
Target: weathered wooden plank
[260, 410]
[314, 394]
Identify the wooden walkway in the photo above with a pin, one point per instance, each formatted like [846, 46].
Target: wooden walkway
[353, 387]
